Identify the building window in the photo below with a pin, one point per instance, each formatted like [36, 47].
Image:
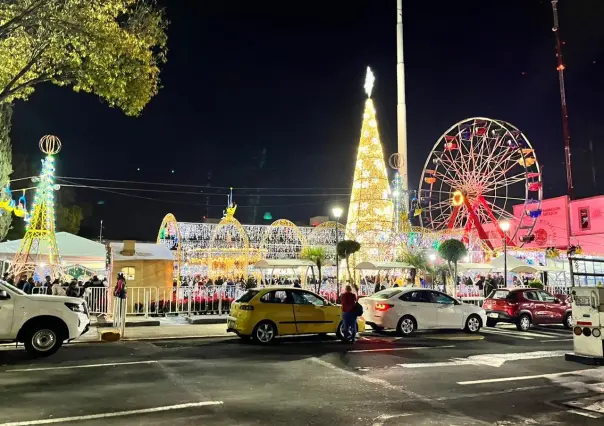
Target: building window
[128, 272]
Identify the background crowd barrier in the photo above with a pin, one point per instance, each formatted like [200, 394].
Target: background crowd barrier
[216, 300]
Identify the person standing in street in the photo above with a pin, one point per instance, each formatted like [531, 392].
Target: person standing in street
[349, 314]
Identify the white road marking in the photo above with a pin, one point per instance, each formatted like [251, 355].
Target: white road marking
[491, 360]
[400, 349]
[379, 420]
[511, 379]
[556, 340]
[115, 414]
[67, 367]
[506, 333]
[581, 413]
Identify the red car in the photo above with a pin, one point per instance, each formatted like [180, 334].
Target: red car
[527, 306]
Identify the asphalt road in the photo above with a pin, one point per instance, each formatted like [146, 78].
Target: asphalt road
[506, 378]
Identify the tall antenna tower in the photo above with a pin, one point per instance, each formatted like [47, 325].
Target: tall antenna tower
[565, 129]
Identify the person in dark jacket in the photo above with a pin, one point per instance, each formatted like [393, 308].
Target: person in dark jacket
[73, 290]
[349, 315]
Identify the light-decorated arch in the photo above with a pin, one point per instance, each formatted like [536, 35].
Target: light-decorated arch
[283, 240]
[169, 235]
[228, 254]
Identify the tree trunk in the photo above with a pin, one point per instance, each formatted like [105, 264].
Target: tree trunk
[413, 275]
[320, 277]
[350, 276]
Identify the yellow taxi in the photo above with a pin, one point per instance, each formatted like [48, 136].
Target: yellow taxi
[266, 313]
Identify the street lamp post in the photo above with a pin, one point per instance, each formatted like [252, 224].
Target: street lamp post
[337, 213]
[505, 227]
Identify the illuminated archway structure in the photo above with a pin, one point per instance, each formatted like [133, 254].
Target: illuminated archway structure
[195, 242]
[283, 240]
[169, 235]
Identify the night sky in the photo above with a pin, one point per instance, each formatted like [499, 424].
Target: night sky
[269, 94]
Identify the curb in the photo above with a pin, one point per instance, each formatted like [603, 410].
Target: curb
[150, 323]
[151, 339]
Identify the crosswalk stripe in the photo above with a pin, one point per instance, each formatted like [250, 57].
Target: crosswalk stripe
[507, 333]
[526, 335]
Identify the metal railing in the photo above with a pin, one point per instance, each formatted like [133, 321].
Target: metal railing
[207, 300]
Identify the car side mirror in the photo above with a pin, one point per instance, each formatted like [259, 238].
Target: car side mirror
[4, 295]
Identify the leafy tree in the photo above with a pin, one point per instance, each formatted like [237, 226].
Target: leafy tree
[5, 163]
[112, 48]
[344, 250]
[68, 218]
[452, 251]
[316, 255]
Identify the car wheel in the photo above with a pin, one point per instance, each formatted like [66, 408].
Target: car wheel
[265, 332]
[473, 324]
[340, 332]
[524, 323]
[406, 325]
[42, 341]
[491, 323]
[568, 320]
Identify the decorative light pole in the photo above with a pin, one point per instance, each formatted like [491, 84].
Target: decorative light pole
[337, 213]
[505, 227]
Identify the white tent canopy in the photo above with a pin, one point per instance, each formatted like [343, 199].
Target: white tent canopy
[515, 265]
[283, 264]
[381, 266]
[74, 250]
[474, 267]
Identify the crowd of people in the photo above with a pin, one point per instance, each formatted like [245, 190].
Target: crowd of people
[73, 288]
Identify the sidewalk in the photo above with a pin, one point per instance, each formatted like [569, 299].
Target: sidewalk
[139, 328]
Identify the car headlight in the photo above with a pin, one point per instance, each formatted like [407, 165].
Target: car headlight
[76, 307]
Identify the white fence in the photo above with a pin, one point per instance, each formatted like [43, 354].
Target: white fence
[200, 300]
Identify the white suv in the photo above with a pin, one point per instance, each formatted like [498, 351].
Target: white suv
[42, 323]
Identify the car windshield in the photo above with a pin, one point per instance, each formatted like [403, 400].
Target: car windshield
[499, 294]
[386, 294]
[12, 288]
[247, 296]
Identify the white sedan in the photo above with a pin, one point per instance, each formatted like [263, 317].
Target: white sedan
[407, 309]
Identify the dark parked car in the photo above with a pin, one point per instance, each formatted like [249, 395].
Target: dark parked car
[527, 306]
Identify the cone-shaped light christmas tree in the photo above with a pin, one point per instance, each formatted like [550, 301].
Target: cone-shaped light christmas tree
[38, 253]
[370, 212]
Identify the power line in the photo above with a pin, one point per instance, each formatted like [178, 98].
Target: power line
[204, 194]
[196, 186]
[111, 191]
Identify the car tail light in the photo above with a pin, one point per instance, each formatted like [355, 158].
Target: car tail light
[383, 307]
[246, 307]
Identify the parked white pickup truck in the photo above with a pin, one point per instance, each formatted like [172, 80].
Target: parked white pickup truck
[42, 323]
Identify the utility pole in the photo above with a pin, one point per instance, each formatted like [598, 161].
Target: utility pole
[565, 129]
[401, 111]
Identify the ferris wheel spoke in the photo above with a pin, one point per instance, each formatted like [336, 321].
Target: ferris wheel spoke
[501, 167]
[448, 179]
[503, 197]
[506, 183]
[498, 155]
[498, 211]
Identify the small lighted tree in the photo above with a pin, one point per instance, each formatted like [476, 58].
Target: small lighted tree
[316, 255]
[452, 251]
[345, 249]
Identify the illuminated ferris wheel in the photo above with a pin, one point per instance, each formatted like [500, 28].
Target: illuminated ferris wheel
[477, 173]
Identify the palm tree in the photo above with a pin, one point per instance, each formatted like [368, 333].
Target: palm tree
[417, 260]
[316, 255]
[344, 250]
[452, 251]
